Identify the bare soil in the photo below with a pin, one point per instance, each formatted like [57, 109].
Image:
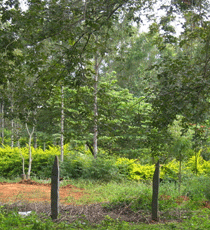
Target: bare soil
[31, 191]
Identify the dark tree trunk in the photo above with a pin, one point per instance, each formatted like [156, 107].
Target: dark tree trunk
[156, 182]
[90, 147]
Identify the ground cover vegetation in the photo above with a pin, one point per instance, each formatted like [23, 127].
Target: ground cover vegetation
[78, 80]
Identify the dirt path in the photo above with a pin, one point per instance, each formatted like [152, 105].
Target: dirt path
[31, 191]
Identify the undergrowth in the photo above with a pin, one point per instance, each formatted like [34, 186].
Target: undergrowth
[10, 220]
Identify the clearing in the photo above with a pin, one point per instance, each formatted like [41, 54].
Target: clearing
[31, 191]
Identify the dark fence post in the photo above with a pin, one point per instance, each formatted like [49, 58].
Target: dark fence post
[55, 189]
[156, 181]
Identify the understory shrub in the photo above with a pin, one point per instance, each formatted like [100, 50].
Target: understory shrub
[85, 166]
[133, 170]
[79, 163]
[75, 165]
[12, 160]
[198, 165]
[102, 169]
[197, 188]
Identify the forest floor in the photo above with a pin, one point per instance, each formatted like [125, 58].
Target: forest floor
[31, 191]
[28, 195]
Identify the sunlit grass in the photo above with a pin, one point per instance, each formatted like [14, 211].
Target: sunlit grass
[101, 192]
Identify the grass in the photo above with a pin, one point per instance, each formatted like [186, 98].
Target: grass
[107, 192]
[118, 195]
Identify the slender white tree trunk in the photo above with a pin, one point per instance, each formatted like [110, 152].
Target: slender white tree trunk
[62, 122]
[95, 129]
[12, 124]
[30, 153]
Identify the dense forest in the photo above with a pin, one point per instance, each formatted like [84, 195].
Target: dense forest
[80, 72]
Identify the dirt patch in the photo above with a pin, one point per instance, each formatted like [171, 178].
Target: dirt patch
[31, 191]
[93, 213]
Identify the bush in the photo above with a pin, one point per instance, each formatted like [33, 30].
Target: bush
[85, 166]
[75, 165]
[103, 169]
[133, 170]
[79, 163]
[11, 161]
[197, 188]
[198, 165]
[12, 158]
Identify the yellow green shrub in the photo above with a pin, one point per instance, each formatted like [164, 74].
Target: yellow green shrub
[10, 161]
[170, 169]
[206, 167]
[134, 170]
[198, 165]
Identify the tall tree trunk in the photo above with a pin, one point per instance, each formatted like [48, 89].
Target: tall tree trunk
[30, 153]
[95, 129]
[12, 124]
[62, 122]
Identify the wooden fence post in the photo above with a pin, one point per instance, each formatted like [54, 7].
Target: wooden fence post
[156, 181]
[55, 189]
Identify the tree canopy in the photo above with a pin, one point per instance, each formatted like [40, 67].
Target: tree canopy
[145, 81]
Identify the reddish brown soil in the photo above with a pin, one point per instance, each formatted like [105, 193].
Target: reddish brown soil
[31, 191]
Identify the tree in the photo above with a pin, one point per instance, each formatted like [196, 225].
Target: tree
[136, 54]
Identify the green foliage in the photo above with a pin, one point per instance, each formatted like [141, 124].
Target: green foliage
[134, 170]
[197, 188]
[11, 160]
[12, 220]
[198, 165]
[74, 165]
[135, 195]
[199, 220]
[85, 166]
[170, 170]
[79, 163]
